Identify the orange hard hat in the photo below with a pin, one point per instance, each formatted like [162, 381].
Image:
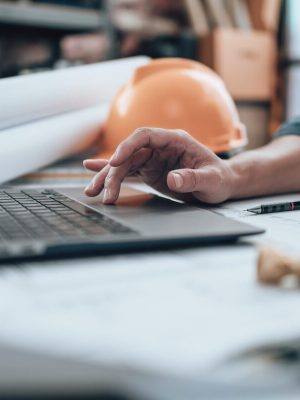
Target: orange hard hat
[174, 93]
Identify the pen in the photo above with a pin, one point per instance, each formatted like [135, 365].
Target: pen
[273, 208]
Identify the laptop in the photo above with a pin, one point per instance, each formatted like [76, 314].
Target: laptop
[45, 223]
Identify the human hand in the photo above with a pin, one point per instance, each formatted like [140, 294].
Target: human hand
[170, 161]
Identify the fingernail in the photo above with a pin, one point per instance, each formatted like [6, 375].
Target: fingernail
[88, 188]
[178, 180]
[91, 185]
[106, 195]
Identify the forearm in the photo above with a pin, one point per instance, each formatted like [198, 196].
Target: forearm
[274, 168]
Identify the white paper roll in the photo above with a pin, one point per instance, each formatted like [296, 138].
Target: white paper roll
[28, 147]
[48, 116]
[29, 98]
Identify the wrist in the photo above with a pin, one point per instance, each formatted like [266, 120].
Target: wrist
[241, 171]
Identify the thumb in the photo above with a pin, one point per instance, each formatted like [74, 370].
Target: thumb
[188, 180]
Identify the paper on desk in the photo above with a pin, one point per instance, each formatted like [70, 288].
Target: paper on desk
[31, 146]
[173, 313]
[29, 98]
[282, 229]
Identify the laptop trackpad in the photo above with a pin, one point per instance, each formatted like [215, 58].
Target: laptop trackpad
[154, 215]
[140, 210]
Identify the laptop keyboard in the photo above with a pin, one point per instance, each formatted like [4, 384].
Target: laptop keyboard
[30, 214]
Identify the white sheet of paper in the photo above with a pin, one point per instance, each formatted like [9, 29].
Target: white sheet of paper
[282, 229]
[172, 313]
[29, 98]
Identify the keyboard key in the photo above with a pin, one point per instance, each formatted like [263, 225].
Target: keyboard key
[28, 215]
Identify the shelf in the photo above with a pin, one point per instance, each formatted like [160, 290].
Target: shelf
[50, 16]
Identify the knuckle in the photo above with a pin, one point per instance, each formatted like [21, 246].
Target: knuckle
[193, 180]
[216, 176]
[109, 178]
[181, 132]
[142, 132]
[120, 147]
[185, 138]
[219, 178]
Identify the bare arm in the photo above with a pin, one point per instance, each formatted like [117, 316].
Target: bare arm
[274, 168]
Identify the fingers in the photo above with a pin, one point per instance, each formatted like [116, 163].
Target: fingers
[189, 180]
[95, 165]
[97, 183]
[112, 184]
[110, 178]
[211, 184]
[116, 175]
[153, 138]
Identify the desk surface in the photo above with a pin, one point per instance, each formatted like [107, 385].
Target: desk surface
[183, 313]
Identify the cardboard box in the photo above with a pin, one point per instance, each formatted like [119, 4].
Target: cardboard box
[245, 60]
[265, 14]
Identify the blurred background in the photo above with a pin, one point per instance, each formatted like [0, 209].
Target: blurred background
[252, 44]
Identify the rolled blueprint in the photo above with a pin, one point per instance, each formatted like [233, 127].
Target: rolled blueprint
[29, 98]
[47, 116]
[28, 147]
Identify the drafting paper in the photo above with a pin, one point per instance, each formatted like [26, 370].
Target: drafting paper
[28, 147]
[29, 98]
[47, 116]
